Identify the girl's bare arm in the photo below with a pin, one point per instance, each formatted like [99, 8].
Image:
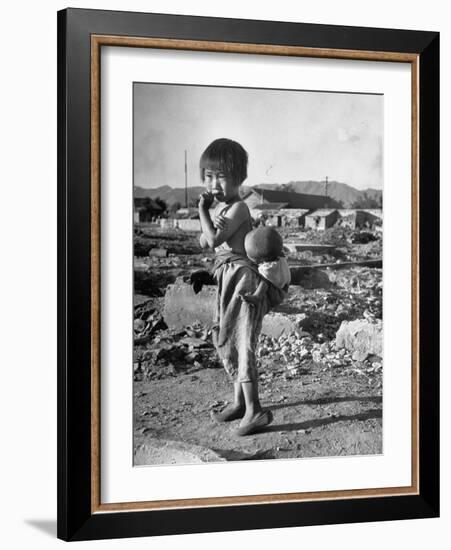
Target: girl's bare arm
[236, 215]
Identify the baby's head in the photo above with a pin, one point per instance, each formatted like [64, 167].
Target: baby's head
[223, 168]
[263, 244]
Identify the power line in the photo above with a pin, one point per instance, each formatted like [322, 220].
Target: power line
[186, 181]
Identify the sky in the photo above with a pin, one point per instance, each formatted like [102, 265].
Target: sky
[289, 135]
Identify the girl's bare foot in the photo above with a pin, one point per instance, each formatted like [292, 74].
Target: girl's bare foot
[231, 412]
[252, 424]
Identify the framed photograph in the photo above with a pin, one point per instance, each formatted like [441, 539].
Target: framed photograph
[248, 274]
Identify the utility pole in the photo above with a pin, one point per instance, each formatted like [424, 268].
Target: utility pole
[186, 181]
[326, 202]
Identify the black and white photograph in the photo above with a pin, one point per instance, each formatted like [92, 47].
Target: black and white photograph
[226, 284]
[258, 238]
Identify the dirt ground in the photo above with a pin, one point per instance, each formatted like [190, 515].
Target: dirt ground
[320, 413]
[324, 402]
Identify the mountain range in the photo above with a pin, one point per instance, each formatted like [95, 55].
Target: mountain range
[345, 194]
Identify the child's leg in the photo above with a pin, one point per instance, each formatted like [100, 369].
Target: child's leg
[251, 399]
[236, 409]
[256, 297]
[255, 418]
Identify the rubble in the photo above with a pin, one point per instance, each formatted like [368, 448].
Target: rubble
[310, 374]
[160, 451]
[363, 237]
[362, 337]
[312, 329]
[296, 246]
[308, 277]
[182, 306]
[278, 324]
[158, 252]
[169, 353]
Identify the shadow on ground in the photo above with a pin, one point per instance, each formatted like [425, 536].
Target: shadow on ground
[294, 426]
[328, 401]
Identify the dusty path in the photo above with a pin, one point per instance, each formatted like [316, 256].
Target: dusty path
[320, 413]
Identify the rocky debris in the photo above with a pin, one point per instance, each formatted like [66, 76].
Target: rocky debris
[300, 358]
[158, 252]
[162, 451]
[298, 336]
[363, 237]
[160, 351]
[152, 283]
[300, 350]
[358, 280]
[182, 306]
[357, 293]
[371, 250]
[323, 311]
[140, 266]
[351, 244]
[307, 247]
[308, 277]
[175, 241]
[171, 352]
[306, 373]
[144, 327]
[362, 336]
[141, 301]
[278, 324]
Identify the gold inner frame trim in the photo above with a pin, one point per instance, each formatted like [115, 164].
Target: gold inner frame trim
[97, 41]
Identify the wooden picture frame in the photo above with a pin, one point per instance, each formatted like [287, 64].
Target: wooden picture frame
[81, 35]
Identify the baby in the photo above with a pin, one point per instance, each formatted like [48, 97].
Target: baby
[264, 247]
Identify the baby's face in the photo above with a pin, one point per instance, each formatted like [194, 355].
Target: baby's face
[252, 257]
[220, 185]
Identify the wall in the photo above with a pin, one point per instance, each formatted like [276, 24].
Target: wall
[28, 289]
[187, 224]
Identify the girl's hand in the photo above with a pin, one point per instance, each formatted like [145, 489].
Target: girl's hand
[206, 200]
[220, 222]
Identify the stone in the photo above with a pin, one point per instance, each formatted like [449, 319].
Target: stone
[139, 325]
[183, 307]
[160, 451]
[276, 325]
[361, 337]
[316, 356]
[309, 277]
[310, 247]
[158, 252]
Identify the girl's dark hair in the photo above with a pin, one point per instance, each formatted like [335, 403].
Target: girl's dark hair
[225, 155]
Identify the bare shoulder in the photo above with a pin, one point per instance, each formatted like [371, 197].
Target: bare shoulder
[238, 210]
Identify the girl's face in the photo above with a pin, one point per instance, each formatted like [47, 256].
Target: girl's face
[221, 185]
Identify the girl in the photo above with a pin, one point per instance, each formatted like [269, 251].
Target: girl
[223, 168]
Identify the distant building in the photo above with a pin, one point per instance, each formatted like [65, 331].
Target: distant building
[278, 214]
[376, 212]
[268, 213]
[145, 209]
[358, 219]
[321, 219]
[288, 199]
[293, 217]
[353, 219]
